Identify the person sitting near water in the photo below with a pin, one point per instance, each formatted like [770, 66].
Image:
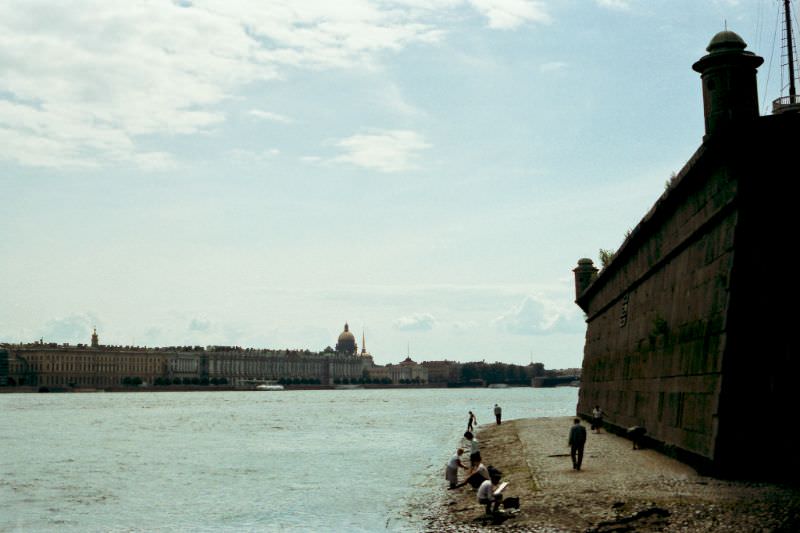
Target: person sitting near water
[451, 472]
[477, 475]
[488, 496]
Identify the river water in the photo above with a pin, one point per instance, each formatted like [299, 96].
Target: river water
[332, 460]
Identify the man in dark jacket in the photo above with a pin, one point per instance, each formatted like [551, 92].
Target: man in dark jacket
[577, 439]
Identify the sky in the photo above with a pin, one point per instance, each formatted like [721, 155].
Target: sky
[259, 173]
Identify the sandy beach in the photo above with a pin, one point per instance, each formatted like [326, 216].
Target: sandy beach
[617, 489]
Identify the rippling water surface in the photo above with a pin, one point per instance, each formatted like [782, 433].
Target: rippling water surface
[336, 460]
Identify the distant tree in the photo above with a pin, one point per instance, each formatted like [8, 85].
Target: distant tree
[204, 381]
[195, 381]
[223, 381]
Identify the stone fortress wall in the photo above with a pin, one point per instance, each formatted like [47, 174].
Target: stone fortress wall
[689, 327]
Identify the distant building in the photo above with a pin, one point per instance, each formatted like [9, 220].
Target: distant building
[690, 326]
[407, 370]
[346, 343]
[57, 366]
[443, 371]
[54, 365]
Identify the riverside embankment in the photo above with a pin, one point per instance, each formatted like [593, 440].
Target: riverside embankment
[617, 489]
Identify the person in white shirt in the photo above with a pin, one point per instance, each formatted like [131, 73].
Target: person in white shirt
[451, 472]
[487, 497]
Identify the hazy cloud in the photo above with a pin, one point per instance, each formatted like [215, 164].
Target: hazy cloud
[73, 329]
[83, 81]
[615, 4]
[537, 316]
[382, 150]
[249, 157]
[199, 324]
[270, 116]
[415, 322]
[509, 14]
[552, 66]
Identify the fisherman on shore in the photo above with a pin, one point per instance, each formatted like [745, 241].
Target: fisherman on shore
[472, 421]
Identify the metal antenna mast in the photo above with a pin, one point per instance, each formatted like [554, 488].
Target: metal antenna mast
[789, 47]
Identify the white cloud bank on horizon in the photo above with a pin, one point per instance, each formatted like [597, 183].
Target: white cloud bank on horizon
[83, 81]
[415, 322]
[537, 316]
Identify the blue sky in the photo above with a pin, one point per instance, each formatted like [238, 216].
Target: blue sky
[258, 173]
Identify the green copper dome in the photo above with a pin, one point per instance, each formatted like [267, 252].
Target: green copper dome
[726, 40]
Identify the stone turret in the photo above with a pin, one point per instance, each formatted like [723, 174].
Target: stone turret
[585, 274]
[728, 72]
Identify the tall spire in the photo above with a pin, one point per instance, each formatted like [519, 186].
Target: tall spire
[95, 338]
[363, 342]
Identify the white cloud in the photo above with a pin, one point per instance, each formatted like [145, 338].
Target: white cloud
[509, 14]
[83, 81]
[415, 322]
[382, 150]
[538, 316]
[270, 116]
[199, 324]
[74, 329]
[621, 5]
[250, 157]
[552, 66]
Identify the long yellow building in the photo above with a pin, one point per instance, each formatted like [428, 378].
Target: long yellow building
[52, 365]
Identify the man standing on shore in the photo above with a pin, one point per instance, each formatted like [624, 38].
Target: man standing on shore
[474, 449]
[498, 413]
[577, 440]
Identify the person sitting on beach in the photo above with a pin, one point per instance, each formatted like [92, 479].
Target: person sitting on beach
[487, 495]
[477, 475]
[474, 449]
[451, 472]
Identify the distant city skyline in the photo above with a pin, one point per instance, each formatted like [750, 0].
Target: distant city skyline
[258, 174]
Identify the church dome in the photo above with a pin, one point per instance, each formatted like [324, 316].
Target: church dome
[346, 342]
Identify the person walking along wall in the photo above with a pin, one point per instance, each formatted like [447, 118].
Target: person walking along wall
[577, 440]
[498, 414]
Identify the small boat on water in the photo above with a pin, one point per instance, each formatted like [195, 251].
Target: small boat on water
[269, 387]
[498, 386]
